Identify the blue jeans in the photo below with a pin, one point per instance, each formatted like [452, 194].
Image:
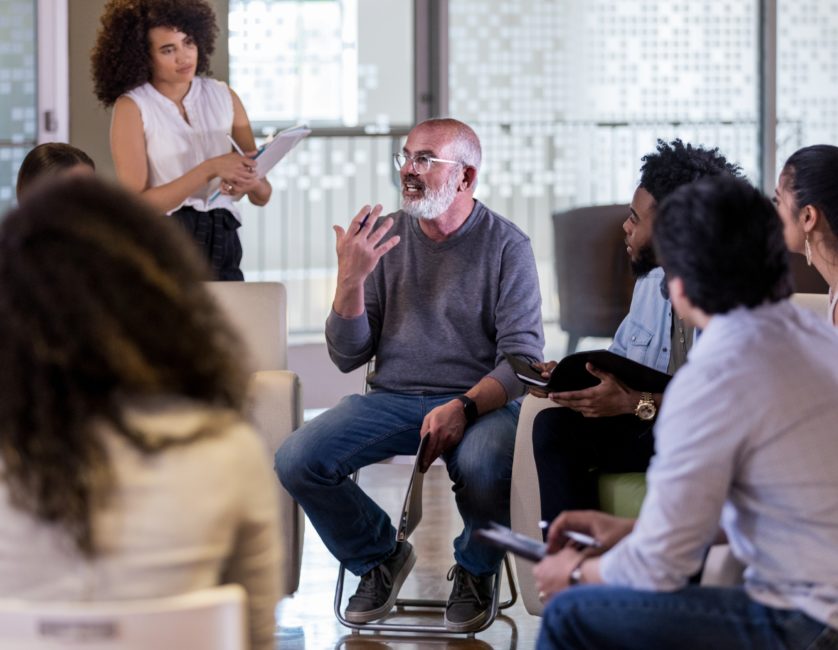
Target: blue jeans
[602, 617]
[315, 465]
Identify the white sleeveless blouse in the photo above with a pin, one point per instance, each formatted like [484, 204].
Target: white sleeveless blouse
[174, 147]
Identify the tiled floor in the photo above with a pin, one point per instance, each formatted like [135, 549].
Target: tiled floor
[307, 621]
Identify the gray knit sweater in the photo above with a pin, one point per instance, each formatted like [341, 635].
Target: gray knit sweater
[439, 316]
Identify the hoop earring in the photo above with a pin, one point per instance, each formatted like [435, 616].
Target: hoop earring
[808, 250]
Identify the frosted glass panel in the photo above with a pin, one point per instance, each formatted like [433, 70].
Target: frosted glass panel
[807, 75]
[326, 63]
[18, 107]
[567, 95]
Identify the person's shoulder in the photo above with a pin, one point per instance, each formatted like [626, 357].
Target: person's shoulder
[499, 225]
[212, 85]
[127, 104]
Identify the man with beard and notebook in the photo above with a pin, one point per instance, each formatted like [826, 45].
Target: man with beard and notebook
[608, 428]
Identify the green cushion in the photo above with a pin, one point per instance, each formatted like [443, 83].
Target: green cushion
[622, 494]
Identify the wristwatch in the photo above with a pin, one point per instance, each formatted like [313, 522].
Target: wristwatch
[646, 409]
[469, 408]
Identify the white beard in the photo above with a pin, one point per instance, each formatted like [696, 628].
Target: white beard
[434, 202]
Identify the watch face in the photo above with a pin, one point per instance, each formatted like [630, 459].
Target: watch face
[645, 410]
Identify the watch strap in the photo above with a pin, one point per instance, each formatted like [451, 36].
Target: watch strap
[469, 408]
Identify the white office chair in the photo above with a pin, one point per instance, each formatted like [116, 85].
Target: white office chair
[211, 619]
[257, 310]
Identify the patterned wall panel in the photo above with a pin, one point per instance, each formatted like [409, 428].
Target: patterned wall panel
[807, 75]
[18, 108]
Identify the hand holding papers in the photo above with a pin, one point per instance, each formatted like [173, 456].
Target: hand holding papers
[272, 152]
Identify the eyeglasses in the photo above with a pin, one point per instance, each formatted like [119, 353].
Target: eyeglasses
[422, 163]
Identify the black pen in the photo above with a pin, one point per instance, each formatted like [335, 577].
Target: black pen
[364, 221]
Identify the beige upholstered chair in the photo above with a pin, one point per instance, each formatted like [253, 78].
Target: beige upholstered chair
[257, 311]
[210, 619]
[816, 302]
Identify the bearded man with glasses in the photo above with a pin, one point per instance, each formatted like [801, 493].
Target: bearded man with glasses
[437, 293]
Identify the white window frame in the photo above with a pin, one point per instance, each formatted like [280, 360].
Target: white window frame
[53, 71]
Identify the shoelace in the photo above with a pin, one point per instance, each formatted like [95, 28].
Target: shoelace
[367, 588]
[464, 590]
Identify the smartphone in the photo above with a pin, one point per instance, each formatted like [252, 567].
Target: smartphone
[509, 540]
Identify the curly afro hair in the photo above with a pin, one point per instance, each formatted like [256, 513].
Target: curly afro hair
[675, 164]
[120, 60]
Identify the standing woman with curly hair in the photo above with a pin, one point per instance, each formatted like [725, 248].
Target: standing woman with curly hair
[171, 121]
[126, 469]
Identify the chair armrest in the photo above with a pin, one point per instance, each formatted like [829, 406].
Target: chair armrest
[721, 568]
[275, 411]
[525, 498]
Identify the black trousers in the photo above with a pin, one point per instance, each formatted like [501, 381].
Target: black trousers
[216, 236]
[571, 451]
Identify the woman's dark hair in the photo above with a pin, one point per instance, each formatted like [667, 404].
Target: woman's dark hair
[813, 178]
[722, 237]
[101, 300]
[120, 60]
[674, 164]
[48, 159]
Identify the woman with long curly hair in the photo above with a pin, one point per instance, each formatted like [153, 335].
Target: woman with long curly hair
[171, 121]
[126, 470]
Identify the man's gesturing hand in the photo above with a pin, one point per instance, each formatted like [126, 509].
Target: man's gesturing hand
[359, 248]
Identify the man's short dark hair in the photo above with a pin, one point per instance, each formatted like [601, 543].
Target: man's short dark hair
[674, 164]
[723, 238]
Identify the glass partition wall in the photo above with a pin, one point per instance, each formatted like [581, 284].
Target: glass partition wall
[18, 91]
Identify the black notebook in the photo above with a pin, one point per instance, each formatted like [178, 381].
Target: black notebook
[571, 373]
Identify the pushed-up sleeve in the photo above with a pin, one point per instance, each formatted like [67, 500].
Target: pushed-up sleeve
[351, 341]
[518, 314]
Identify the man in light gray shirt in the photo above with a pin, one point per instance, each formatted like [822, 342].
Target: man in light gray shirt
[745, 439]
[437, 293]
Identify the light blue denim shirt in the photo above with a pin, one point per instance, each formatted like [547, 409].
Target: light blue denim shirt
[645, 335]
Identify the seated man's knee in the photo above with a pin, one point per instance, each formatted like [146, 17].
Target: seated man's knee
[484, 467]
[291, 462]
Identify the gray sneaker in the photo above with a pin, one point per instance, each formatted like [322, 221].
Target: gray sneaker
[379, 587]
[470, 602]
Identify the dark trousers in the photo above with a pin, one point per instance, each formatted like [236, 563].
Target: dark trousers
[571, 451]
[215, 233]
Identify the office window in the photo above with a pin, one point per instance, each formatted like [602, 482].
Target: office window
[330, 64]
[18, 128]
[807, 75]
[324, 62]
[568, 95]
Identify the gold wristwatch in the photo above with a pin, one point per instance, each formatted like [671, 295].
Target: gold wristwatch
[646, 409]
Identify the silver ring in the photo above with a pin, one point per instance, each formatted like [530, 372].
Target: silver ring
[542, 596]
